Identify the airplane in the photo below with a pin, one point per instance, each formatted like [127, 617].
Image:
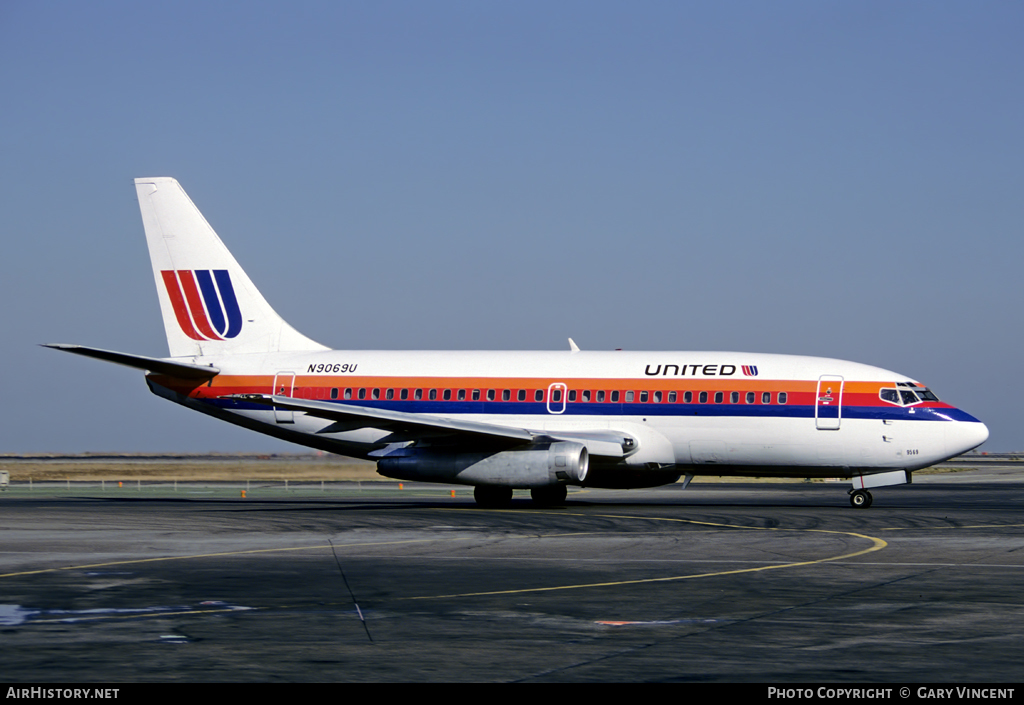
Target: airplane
[541, 421]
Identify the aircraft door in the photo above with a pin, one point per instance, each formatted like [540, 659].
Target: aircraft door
[284, 385]
[556, 398]
[828, 403]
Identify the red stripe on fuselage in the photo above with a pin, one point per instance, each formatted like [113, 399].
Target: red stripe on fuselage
[800, 392]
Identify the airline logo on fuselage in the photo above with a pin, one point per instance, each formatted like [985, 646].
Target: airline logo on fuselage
[698, 370]
[204, 303]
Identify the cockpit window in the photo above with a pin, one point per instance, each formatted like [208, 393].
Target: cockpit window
[906, 394]
[908, 397]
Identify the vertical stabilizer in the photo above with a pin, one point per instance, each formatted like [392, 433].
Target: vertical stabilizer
[209, 304]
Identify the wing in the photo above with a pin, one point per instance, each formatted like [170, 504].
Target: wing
[405, 426]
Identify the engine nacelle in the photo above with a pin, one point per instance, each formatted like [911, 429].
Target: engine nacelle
[532, 466]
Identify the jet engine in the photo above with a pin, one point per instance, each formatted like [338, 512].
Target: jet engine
[537, 465]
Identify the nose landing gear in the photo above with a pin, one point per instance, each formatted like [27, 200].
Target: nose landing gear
[860, 499]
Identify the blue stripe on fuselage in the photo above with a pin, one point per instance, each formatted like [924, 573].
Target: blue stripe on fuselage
[575, 409]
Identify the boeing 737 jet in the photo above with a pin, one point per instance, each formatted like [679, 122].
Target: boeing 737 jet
[531, 420]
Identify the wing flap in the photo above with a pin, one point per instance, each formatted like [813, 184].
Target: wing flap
[385, 418]
[348, 416]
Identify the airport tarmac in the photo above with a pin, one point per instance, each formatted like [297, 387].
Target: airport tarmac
[739, 582]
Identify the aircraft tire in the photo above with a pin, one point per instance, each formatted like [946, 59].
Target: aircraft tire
[550, 496]
[491, 497]
[861, 499]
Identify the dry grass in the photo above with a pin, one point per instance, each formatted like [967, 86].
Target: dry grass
[185, 469]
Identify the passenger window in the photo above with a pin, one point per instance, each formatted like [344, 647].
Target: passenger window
[522, 395]
[462, 395]
[766, 397]
[375, 394]
[538, 395]
[687, 397]
[390, 394]
[600, 396]
[506, 394]
[476, 395]
[447, 395]
[629, 397]
[362, 392]
[671, 397]
[490, 395]
[719, 396]
[734, 397]
[615, 397]
[643, 397]
[334, 393]
[572, 395]
[783, 397]
[586, 395]
[418, 395]
[432, 395]
[657, 397]
[404, 394]
[348, 393]
[751, 397]
[703, 398]
[556, 395]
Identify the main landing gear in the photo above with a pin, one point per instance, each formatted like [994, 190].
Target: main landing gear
[491, 497]
[550, 496]
[860, 499]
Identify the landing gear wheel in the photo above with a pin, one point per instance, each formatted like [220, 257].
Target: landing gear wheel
[492, 497]
[860, 499]
[550, 496]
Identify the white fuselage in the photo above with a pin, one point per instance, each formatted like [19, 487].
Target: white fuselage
[700, 412]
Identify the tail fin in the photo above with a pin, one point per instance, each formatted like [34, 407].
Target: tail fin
[209, 304]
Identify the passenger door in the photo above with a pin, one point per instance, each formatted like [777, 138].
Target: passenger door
[828, 403]
[284, 384]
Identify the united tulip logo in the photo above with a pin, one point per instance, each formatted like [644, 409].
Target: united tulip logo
[204, 303]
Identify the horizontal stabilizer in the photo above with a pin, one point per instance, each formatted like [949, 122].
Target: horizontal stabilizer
[170, 368]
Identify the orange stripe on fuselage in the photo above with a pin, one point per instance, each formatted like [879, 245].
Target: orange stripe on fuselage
[802, 392]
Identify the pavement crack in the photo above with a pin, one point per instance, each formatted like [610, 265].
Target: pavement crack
[348, 587]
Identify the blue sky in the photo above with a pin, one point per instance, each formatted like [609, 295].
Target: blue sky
[833, 179]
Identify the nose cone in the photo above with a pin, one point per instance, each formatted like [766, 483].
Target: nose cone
[962, 436]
